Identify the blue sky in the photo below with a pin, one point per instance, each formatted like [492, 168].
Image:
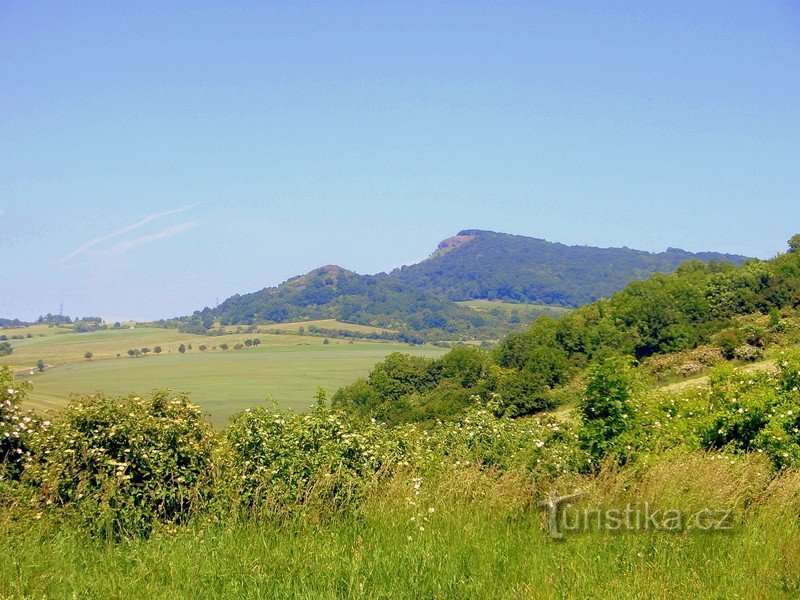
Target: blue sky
[157, 156]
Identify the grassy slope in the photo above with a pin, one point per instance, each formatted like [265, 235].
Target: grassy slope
[527, 312]
[326, 324]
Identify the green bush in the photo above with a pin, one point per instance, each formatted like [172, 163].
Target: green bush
[279, 461]
[738, 409]
[607, 407]
[543, 446]
[17, 427]
[728, 341]
[780, 438]
[523, 393]
[121, 465]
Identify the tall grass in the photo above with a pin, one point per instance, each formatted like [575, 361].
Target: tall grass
[467, 534]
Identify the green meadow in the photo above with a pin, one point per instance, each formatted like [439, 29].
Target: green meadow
[526, 312]
[286, 369]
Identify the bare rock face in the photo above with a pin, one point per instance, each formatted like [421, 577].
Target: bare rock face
[452, 243]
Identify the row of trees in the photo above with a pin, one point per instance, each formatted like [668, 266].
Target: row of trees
[182, 348]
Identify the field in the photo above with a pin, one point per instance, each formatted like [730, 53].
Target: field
[526, 312]
[288, 368]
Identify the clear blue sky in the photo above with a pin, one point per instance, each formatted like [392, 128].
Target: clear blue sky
[156, 156]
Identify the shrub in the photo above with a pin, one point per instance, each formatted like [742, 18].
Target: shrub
[280, 461]
[729, 340]
[542, 446]
[121, 465]
[748, 353]
[738, 408]
[17, 427]
[607, 408]
[780, 439]
[523, 393]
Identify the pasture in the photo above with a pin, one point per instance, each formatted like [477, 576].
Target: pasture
[286, 368]
[527, 312]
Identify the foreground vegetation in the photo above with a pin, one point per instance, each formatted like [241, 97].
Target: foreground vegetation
[483, 540]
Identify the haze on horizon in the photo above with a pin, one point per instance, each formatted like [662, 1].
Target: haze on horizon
[156, 158]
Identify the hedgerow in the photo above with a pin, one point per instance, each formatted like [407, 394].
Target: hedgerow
[119, 466]
[123, 466]
[17, 427]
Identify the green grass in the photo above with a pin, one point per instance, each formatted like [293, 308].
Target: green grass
[64, 347]
[326, 324]
[487, 542]
[287, 367]
[527, 312]
[221, 382]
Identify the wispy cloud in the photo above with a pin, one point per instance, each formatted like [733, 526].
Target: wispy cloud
[103, 238]
[123, 247]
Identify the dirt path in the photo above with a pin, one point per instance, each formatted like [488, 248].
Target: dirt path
[764, 365]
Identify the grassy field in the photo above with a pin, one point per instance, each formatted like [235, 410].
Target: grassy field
[527, 312]
[61, 346]
[289, 368]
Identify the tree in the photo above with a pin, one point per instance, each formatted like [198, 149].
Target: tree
[223, 346]
[145, 351]
[202, 347]
[157, 350]
[326, 341]
[132, 352]
[40, 365]
[794, 243]
[607, 407]
[464, 364]
[248, 342]
[88, 356]
[256, 342]
[5, 349]
[181, 348]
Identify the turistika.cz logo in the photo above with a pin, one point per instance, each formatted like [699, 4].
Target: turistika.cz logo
[564, 518]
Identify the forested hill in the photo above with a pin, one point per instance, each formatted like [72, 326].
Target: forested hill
[333, 292]
[421, 298]
[477, 264]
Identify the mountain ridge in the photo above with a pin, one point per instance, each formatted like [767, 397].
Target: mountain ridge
[474, 264]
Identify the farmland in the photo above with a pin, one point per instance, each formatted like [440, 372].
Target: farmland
[287, 368]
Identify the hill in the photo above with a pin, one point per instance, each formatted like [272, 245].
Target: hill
[476, 264]
[419, 301]
[673, 325]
